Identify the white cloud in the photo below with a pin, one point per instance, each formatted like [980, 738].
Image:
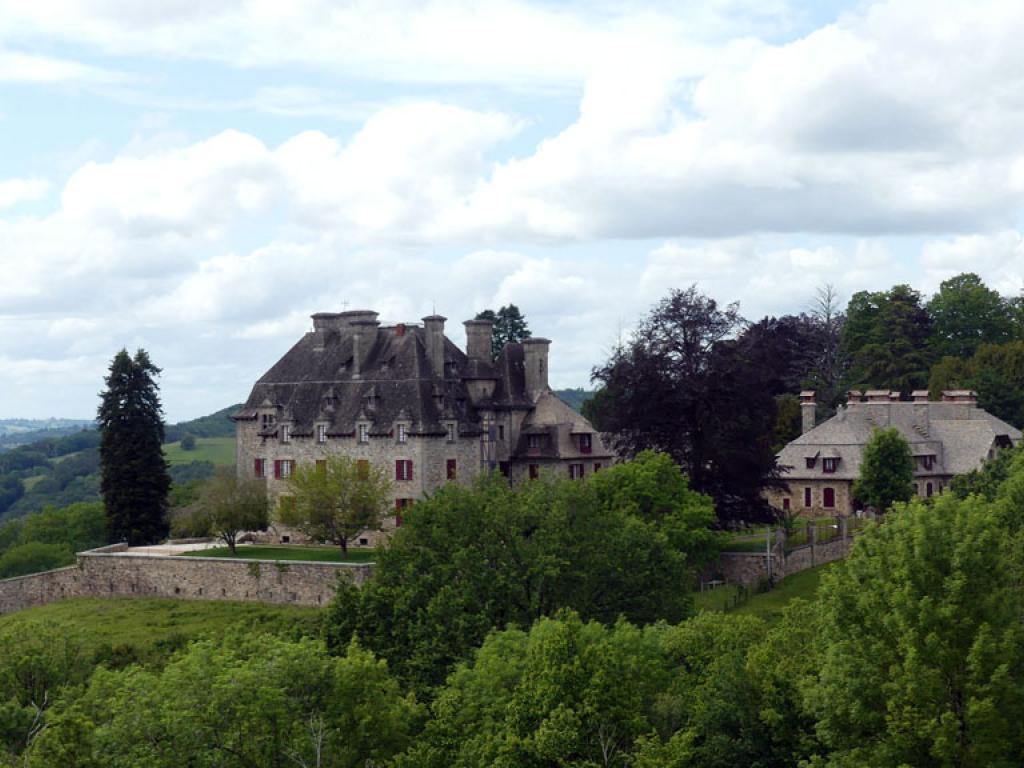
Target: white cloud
[18, 67]
[14, 191]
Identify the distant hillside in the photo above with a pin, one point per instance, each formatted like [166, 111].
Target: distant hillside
[574, 398]
[15, 432]
[217, 424]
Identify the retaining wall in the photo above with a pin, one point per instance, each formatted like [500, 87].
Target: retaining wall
[112, 572]
[751, 568]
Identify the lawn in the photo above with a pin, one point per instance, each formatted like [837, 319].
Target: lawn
[142, 629]
[767, 605]
[290, 552]
[219, 450]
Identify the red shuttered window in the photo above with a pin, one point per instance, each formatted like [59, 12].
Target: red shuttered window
[403, 469]
[451, 468]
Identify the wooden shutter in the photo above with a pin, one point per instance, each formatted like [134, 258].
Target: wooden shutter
[277, 468]
[258, 467]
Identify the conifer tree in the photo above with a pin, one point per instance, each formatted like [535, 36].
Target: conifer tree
[510, 327]
[134, 477]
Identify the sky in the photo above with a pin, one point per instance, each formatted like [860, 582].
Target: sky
[198, 178]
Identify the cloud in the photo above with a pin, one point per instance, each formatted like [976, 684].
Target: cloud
[18, 67]
[15, 191]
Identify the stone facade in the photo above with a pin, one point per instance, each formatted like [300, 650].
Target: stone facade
[405, 393]
[947, 438]
[111, 572]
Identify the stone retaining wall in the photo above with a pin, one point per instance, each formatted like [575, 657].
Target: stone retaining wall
[751, 568]
[111, 572]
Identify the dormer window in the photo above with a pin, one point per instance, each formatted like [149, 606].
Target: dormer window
[267, 420]
[829, 464]
[450, 432]
[363, 432]
[286, 433]
[403, 433]
[586, 443]
[928, 462]
[321, 433]
[811, 461]
[536, 442]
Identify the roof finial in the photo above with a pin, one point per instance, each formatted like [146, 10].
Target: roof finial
[344, 305]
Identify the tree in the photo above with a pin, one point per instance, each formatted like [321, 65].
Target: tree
[886, 338]
[509, 327]
[827, 365]
[922, 657]
[684, 386]
[966, 313]
[231, 506]
[336, 499]
[134, 475]
[188, 442]
[886, 470]
[470, 559]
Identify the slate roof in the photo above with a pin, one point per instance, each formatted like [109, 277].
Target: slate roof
[395, 383]
[958, 435]
[554, 418]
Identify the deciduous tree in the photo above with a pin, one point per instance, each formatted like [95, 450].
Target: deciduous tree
[886, 470]
[966, 314]
[336, 499]
[231, 506]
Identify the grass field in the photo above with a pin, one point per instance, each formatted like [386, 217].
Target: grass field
[767, 605]
[143, 629]
[290, 552]
[219, 450]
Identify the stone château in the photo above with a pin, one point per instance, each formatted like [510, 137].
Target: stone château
[406, 398]
[947, 438]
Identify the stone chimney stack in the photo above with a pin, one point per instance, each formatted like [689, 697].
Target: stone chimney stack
[808, 411]
[362, 324]
[535, 360]
[478, 339]
[433, 326]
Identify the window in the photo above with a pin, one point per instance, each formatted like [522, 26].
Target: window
[586, 444]
[811, 461]
[286, 433]
[829, 498]
[536, 442]
[917, 489]
[449, 428]
[597, 466]
[403, 433]
[785, 504]
[807, 498]
[362, 469]
[321, 433]
[928, 490]
[403, 503]
[283, 468]
[364, 433]
[364, 542]
[575, 471]
[260, 467]
[534, 471]
[403, 469]
[321, 466]
[503, 467]
[268, 420]
[829, 465]
[451, 469]
[928, 461]
[501, 431]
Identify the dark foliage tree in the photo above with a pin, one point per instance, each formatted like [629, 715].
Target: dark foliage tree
[134, 477]
[188, 442]
[886, 471]
[995, 371]
[966, 314]
[885, 338]
[683, 385]
[509, 327]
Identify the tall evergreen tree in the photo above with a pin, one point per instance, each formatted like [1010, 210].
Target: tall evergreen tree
[509, 327]
[134, 476]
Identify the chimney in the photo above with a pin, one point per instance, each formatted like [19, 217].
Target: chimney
[877, 395]
[363, 324]
[965, 396]
[433, 326]
[478, 339]
[324, 323]
[808, 411]
[919, 395]
[535, 360]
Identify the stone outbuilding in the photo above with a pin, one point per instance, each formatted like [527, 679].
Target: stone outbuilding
[947, 438]
[406, 398]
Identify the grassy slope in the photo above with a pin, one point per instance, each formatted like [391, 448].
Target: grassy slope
[768, 605]
[219, 450]
[289, 552]
[150, 627]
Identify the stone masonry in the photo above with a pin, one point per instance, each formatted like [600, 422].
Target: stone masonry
[111, 572]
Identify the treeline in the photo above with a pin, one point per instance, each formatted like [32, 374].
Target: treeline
[912, 655]
[718, 392]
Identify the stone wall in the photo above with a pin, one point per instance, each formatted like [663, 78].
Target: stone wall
[751, 568]
[111, 572]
